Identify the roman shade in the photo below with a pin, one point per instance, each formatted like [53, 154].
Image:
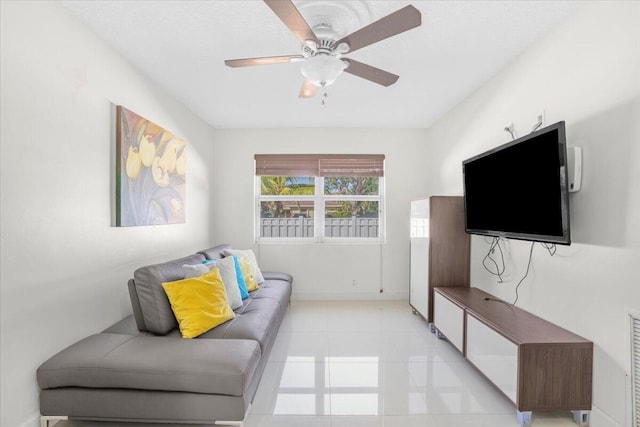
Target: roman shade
[358, 165]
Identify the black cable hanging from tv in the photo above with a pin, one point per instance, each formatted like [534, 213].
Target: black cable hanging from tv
[495, 243]
[526, 273]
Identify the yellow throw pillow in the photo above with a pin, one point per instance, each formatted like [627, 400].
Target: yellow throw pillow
[199, 303]
[250, 281]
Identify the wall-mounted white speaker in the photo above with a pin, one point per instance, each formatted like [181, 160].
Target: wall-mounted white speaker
[574, 168]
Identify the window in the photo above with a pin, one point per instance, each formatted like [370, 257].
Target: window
[317, 198]
[287, 206]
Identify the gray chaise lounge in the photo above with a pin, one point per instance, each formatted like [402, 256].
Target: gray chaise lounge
[141, 370]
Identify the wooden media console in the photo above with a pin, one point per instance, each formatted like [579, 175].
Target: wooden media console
[537, 365]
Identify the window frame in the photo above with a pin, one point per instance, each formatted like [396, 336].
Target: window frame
[320, 199]
[259, 198]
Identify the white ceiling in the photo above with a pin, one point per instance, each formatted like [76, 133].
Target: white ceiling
[182, 45]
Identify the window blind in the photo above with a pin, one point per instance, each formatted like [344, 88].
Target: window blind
[320, 164]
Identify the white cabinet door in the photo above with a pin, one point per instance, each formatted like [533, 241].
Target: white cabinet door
[449, 319]
[419, 218]
[494, 355]
[419, 276]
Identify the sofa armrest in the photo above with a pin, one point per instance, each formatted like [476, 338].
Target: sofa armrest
[271, 275]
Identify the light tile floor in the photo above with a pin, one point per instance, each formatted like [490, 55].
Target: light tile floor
[374, 364]
[371, 364]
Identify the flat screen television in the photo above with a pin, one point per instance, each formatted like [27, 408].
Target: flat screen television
[520, 190]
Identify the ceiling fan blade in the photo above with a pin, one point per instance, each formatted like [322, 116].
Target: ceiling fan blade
[398, 22]
[308, 89]
[267, 60]
[290, 15]
[368, 72]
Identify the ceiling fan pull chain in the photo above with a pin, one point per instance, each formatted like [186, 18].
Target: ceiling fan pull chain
[324, 92]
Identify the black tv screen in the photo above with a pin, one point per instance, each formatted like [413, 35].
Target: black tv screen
[519, 190]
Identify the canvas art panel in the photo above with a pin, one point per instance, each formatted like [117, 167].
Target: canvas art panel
[150, 172]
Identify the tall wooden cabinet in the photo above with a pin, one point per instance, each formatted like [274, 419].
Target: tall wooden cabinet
[439, 251]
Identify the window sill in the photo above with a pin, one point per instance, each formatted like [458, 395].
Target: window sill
[335, 241]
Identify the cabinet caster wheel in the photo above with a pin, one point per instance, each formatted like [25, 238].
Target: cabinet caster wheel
[414, 311]
[581, 418]
[439, 334]
[524, 418]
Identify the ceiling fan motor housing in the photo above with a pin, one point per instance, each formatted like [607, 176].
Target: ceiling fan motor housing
[326, 36]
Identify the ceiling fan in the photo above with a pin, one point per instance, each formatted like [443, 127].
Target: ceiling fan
[323, 48]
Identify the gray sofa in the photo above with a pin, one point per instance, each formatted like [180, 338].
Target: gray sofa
[141, 370]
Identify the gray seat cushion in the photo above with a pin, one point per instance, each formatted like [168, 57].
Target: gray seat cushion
[258, 321]
[259, 317]
[278, 290]
[117, 361]
[126, 326]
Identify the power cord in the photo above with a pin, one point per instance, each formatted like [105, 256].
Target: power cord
[510, 130]
[550, 247]
[526, 273]
[499, 271]
[537, 125]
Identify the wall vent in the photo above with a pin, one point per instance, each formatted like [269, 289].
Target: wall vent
[635, 369]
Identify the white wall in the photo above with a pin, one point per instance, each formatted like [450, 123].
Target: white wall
[586, 72]
[64, 267]
[323, 271]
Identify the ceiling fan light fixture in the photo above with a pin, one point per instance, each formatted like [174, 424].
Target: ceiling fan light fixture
[322, 69]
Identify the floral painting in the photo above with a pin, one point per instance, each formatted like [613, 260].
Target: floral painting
[150, 172]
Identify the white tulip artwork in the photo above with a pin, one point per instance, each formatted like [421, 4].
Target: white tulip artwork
[150, 172]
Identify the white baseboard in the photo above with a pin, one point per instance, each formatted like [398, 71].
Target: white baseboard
[351, 296]
[32, 421]
[601, 419]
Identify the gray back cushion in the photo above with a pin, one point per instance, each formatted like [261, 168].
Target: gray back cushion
[215, 252]
[135, 304]
[157, 316]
